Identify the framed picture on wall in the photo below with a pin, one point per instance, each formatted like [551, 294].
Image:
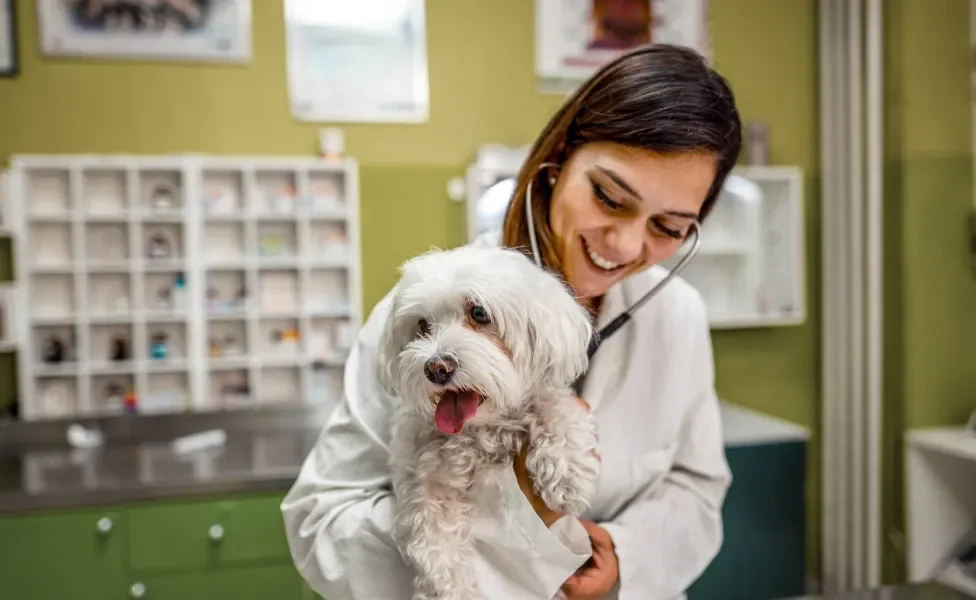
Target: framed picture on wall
[574, 38]
[359, 64]
[8, 39]
[181, 30]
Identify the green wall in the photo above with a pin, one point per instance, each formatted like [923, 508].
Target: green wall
[482, 90]
[930, 320]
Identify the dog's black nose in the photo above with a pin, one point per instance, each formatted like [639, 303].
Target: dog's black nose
[440, 369]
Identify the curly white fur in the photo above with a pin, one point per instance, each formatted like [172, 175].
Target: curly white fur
[500, 327]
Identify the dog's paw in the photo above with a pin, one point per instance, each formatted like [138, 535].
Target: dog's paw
[565, 477]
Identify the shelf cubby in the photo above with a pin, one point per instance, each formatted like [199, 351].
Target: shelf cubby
[225, 242]
[106, 245]
[230, 387]
[108, 390]
[48, 192]
[328, 241]
[227, 293]
[223, 193]
[104, 194]
[328, 291]
[52, 245]
[326, 195]
[161, 193]
[166, 392]
[54, 296]
[56, 396]
[109, 294]
[277, 239]
[174, 283]
[111, 347]
[275, 192]
[281, 384]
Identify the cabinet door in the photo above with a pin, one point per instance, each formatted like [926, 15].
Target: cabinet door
[763, 554]
[281, 582]
[195, 535]
[74, 555]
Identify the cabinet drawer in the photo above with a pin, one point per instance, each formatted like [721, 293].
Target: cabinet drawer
[206, 534]
[242, 583]
[61, 555]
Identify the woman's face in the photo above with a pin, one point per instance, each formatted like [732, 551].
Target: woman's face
[617, 210]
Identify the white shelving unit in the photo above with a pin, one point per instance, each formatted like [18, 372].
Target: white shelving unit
[8, 339]
[751, 268]
[940, 493]
[190, 282]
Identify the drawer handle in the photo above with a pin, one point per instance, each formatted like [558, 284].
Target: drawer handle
[216, 533]
[138, 590]
[104, 525]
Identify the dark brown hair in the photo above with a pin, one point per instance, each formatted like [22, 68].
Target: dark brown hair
[662, 98]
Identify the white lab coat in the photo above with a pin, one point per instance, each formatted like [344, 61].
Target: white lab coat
[660, 494]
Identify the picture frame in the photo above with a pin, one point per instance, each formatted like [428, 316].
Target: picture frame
[573, 40]
[164, 30]
[9, 59]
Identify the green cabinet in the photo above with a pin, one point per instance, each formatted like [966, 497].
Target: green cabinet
[764, 515]
[230, 548]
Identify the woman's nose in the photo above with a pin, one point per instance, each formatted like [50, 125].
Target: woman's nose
[627, 240]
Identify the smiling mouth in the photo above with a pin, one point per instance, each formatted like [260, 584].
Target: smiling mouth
[602, 264]
[454, 408]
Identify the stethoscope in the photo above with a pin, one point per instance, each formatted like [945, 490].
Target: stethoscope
[620, 320]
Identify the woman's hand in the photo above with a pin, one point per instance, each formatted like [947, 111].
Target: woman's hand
[545, 513]
[596, 578]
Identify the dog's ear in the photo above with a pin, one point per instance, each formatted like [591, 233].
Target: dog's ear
[559, 331]
[388, 349]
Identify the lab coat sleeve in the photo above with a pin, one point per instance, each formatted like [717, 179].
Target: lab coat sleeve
[669, 534]
[339, 513]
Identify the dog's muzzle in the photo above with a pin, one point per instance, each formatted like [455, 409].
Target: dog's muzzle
[440, 369]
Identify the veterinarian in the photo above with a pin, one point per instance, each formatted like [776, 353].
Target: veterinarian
[619, 178]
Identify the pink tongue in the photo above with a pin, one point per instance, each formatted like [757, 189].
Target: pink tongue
[454, 409]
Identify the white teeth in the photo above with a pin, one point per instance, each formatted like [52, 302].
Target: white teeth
[601, 262]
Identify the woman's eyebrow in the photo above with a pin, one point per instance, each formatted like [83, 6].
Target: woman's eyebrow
[621, 183]
[626, 187]
[682, 214]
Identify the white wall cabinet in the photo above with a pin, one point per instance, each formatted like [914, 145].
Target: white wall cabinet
[751, 268]
[752, 263]
[183, 282]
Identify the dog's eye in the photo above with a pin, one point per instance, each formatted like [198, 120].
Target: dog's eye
[424, 326]
[480, 315]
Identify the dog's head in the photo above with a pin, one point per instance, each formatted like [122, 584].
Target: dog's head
[473, 331]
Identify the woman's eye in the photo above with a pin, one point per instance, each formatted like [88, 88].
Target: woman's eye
[480, 315]
[424, 326]
[604, 199]
[667, 231]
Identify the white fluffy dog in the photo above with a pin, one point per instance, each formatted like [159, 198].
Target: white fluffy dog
[481, 346]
